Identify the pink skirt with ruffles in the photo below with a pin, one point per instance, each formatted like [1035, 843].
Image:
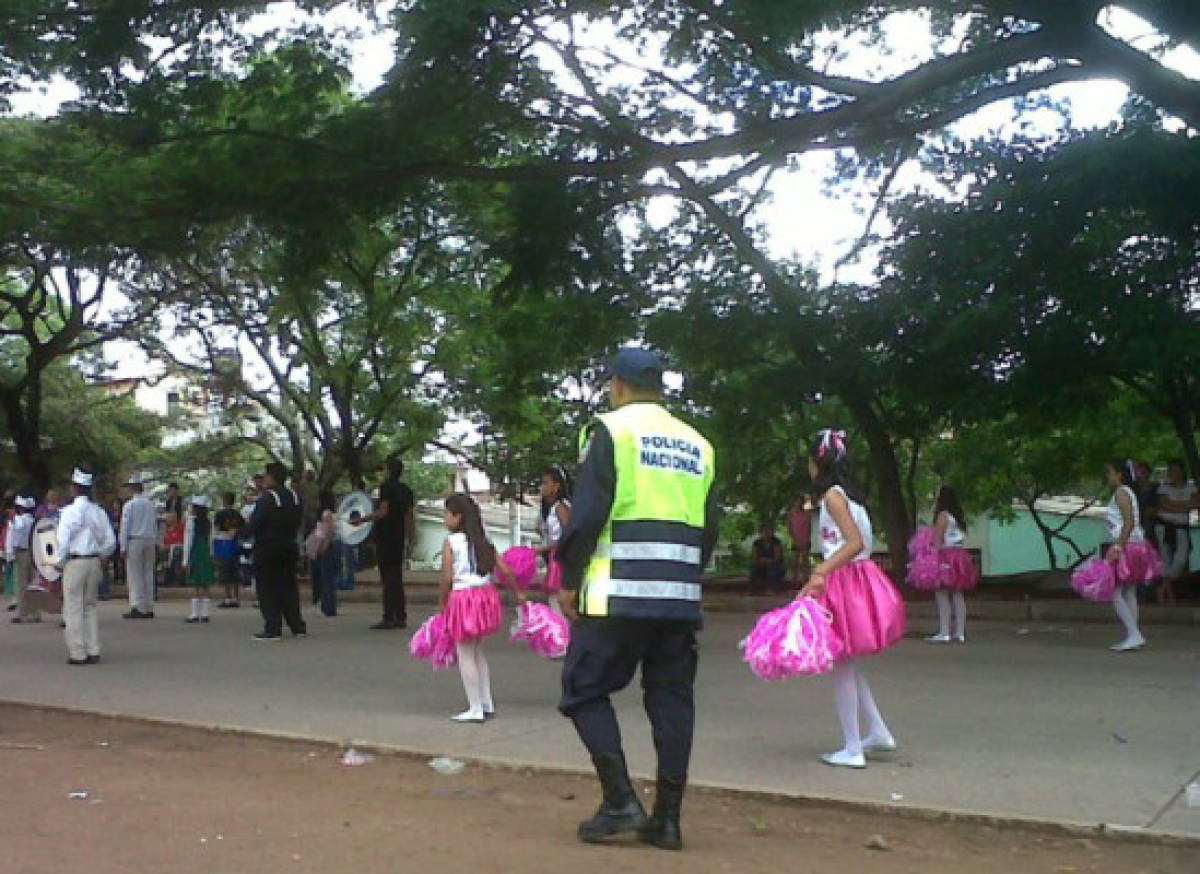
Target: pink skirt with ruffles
[473, 613]
[868, 612]
[1139, 563]
[957, 569]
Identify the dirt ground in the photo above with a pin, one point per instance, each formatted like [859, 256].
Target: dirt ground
[181, 800]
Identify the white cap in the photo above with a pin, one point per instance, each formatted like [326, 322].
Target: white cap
[200, 501]
[25, 503]
[82, 477]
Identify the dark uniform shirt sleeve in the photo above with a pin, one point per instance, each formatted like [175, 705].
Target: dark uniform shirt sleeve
[591, 505]
[258, 516]
[712, 526]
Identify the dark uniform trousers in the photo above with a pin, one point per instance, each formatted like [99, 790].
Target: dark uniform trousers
[391, 576]
[603, 657]
[278, 594]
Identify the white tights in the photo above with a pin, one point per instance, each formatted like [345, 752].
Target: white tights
[951, 604]
[476, 679]
[852, 697]
[1126, 605]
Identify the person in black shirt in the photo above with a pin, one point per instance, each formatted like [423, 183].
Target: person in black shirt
[395, 519]
[274, 525]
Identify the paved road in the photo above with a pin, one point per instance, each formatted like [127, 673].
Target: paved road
[1033, 720]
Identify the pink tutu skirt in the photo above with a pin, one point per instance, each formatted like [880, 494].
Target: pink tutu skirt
[930, 569]
[867, 610]
[473, 613]
[553, 581]
[1139, 563]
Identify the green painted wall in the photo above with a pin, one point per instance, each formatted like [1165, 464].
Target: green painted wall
[1018, 547]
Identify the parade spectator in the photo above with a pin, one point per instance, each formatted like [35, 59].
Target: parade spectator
[1175, 500]
[138, 536]
[395, 521]
[767, 564]
[800, 519]
[226, 549]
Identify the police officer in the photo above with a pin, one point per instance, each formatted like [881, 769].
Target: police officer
[275, 526]
[642, 528]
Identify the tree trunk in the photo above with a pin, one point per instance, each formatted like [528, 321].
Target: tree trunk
[23, 422]
[1185, 430]
[886, 472]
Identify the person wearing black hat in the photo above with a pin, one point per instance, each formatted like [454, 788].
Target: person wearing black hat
[275, 524]
[642, 528]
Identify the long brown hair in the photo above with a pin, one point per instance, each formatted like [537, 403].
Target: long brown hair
[483, 554]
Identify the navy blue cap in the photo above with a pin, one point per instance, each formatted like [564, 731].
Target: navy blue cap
[638, 367]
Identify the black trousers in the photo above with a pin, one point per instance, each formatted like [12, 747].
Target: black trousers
[278, 595]
[603, 656]
[391, 575]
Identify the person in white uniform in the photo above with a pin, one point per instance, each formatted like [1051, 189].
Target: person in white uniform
[16, 552]
[85, 537]
[139, 539]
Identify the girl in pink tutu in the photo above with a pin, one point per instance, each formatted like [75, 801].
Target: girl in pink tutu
[556, 510]
[945, 567]
[469, 602]
[1134, 560]
[868, 613]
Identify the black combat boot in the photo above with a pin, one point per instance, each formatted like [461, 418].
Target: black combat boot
[662, 829]
[620, 811]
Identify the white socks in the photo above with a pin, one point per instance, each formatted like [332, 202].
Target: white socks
[200, 608]
[205, 603]
[1126, 606]
[195, 613]
[852, 695]
[942, 598]
[951, 610]
[476, 680]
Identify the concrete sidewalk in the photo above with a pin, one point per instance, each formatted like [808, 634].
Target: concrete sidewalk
[1034, 720]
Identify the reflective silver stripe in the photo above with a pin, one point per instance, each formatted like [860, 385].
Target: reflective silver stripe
[666, 590]
[634, 551]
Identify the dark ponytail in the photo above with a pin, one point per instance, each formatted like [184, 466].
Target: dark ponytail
[947, 499]
[483, 554]
[830, 451]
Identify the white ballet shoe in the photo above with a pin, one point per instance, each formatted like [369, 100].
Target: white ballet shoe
[938, 638]
[883, 743]
[1129, 644]
[468, 716]
[844, 759]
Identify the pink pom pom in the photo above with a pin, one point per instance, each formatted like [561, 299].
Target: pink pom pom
[522, 561]
[796, 639]
[546, 633]
[922, 540]
[924, 564]
[432, 643]
[1095, 580]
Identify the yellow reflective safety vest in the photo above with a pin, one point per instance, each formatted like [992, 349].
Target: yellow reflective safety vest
[647, 562]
